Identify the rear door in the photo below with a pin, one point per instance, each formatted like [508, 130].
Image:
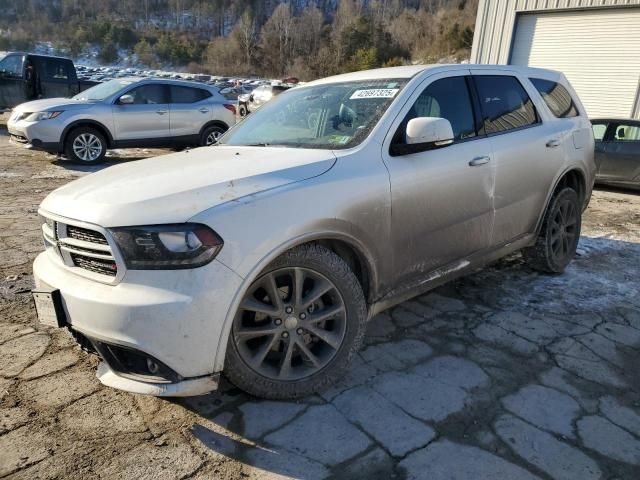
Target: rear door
[190, 109]
[621, 159]
[55, 77]
[527, 152]
[146, 120]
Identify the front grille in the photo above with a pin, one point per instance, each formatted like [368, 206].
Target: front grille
[83, 248]
[86, 235]
[104, 267]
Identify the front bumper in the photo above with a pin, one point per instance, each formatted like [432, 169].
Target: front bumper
[185, 388]
[174, 316]
[44, 135]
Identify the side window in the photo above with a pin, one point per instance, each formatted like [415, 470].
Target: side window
[557, 98]
[627, 133]
[55, 69]
[11, 66]
[599, 129]
[445, 98]
[188, 94]
[505, 103]
[149, 94]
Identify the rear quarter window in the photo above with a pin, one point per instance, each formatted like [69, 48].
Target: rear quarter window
[557, 98]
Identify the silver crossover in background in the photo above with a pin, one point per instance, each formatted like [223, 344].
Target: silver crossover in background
[265, 255]
[123, 113]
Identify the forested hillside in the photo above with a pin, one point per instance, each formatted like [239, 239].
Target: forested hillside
[305, 38]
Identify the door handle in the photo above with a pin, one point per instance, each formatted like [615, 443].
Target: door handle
[161, 112]
[204, 110]
[479, 161]
[553, 143]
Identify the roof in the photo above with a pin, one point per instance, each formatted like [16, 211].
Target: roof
[41, 55]
[411, 71]
[173, 81]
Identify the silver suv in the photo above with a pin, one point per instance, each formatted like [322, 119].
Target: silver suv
[123, 113]
[264, 256]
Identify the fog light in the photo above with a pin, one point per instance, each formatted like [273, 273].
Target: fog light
[152, 366]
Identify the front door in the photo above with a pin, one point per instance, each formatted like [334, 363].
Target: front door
[146, 120]
[621, 159]
[441, 200]
[12, 83]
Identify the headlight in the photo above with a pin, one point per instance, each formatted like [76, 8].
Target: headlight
[37, 116]
[167, 247]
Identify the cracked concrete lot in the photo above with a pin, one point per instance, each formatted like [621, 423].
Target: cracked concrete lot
[506, 374]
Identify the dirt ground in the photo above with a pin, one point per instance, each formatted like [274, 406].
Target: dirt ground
[504, 374]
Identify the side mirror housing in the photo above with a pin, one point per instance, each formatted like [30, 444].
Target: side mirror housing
[251, 97]
[126, 100]
[433, 130]
[422, 134]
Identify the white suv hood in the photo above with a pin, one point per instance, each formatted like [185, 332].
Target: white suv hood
[173, 188]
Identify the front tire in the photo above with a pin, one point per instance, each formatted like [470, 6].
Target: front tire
[557, 241]
[85, 145]
[298, 326]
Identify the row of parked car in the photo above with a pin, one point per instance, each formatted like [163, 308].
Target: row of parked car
[91, 113]
[25, 76]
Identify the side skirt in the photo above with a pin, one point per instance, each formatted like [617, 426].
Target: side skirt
[445, 274]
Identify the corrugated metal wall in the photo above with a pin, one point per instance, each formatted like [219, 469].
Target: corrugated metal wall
[496, 23]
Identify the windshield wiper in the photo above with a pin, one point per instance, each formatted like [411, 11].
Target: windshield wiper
[257, 145]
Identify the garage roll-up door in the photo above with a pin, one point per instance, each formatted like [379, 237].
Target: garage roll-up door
[598, 51]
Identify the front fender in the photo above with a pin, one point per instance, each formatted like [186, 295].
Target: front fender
[265, 261]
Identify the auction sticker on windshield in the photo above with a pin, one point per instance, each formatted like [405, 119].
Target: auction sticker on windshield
[375, 93]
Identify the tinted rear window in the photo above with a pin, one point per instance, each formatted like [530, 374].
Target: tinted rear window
[557, 98]
[505, 103]
[55, 69]
[187, 94]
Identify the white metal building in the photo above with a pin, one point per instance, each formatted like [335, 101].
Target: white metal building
[595, 43]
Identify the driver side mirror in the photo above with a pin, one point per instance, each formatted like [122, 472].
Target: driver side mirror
[125, 100]
[251, 97]
[424, 133]
[433, 130]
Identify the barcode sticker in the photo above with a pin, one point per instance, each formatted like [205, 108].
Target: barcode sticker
[375, 93]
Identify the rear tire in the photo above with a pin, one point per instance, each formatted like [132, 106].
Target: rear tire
[558, 239]
[85, 145]
[304, 340]
[211, 135]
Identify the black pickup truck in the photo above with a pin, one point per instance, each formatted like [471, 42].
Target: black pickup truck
[25, 77]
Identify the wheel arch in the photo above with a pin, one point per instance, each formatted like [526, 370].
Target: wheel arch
[211, 123]
[573, 177]
[86, 123]
[352, 251]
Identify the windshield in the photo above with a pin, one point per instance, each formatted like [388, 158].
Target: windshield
[332, 116]
[103, 90]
